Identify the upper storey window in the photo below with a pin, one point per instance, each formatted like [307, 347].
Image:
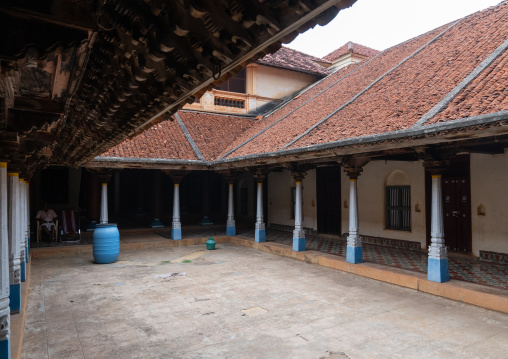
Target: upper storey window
[234, 84]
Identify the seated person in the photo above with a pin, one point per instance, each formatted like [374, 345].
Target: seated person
[47, 217]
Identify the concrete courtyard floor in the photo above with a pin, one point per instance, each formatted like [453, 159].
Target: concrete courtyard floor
[237, 302]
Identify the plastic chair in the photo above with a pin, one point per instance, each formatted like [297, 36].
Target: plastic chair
[70, 229]
[39, 231]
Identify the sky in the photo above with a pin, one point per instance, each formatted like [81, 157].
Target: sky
[380, 24]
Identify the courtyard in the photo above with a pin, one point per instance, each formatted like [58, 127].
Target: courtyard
[237, 302]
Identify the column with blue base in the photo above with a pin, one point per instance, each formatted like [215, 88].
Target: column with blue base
[259, 230]
[22, 232]
[13, 228]
[5, 347]
[353, 168]
[230, 224]
[298, 233]
[354, 250]
[176, 229]
[438, 257]
[27, 219]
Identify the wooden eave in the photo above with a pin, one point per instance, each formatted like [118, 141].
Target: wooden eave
[128, 63]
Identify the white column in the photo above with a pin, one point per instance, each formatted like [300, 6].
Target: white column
[104, 203]
[354, 253]
[298, 233]
[230, 225]
[176, 229]
[27, 213]
[13, 228]
[4, 266]
[22, 231]
[260, 233]
[438, 256]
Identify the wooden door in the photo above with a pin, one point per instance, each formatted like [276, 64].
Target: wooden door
[328, 200]
[457, 212]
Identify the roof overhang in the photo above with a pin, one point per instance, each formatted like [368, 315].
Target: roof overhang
[127, 63]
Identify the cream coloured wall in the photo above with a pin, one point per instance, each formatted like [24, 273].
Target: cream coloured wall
[278, 83]
[489, 178]
[371, 200]
[279, 199]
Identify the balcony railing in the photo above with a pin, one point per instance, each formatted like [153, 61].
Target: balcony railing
[229, 102]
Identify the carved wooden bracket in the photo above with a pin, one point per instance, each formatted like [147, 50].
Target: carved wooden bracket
[353, 165]
[176, 176]
[260, 175]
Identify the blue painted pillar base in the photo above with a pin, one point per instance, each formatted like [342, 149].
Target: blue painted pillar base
[15, 298]
[299, 244]
[5, 348]
[354, 254]
[156, 223]
[230, 231]
[176, 234]
[438, 270]
[260, 235]
[23, 270]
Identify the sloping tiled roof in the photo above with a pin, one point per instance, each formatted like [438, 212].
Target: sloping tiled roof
[294, 60]
[212, 133]
[454, 72]
[163, 140]
[167, 140]
[389, 92]
[351, 47]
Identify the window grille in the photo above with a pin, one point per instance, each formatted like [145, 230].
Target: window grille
[398, 208]
[228, 102]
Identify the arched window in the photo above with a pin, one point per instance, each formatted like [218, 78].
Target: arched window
[398, 201]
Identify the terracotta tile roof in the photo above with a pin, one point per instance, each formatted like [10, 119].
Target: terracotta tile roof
[330, 94]
[390, 92]
[487, 93]
[163, 140]
[351, 47]
[400, 99]
[213, 132]
[294, 60]
[210, 132]
[393, 90]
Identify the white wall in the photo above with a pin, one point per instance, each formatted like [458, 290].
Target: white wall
[278, 83]
[279, 199]
[371, 200]
[489, 180]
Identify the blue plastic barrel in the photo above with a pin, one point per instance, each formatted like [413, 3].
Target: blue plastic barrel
[106, 243]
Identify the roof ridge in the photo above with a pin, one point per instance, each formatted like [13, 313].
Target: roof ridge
[441, 105]
[306, 132]
[193, 144]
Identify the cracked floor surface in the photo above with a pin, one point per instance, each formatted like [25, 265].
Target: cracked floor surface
[236, 302]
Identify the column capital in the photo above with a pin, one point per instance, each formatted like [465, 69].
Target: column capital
[259, 175]
[229, 176]
[176, 176]
[353, 165]
[435, 167]
[103, 174]
[299, 175]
